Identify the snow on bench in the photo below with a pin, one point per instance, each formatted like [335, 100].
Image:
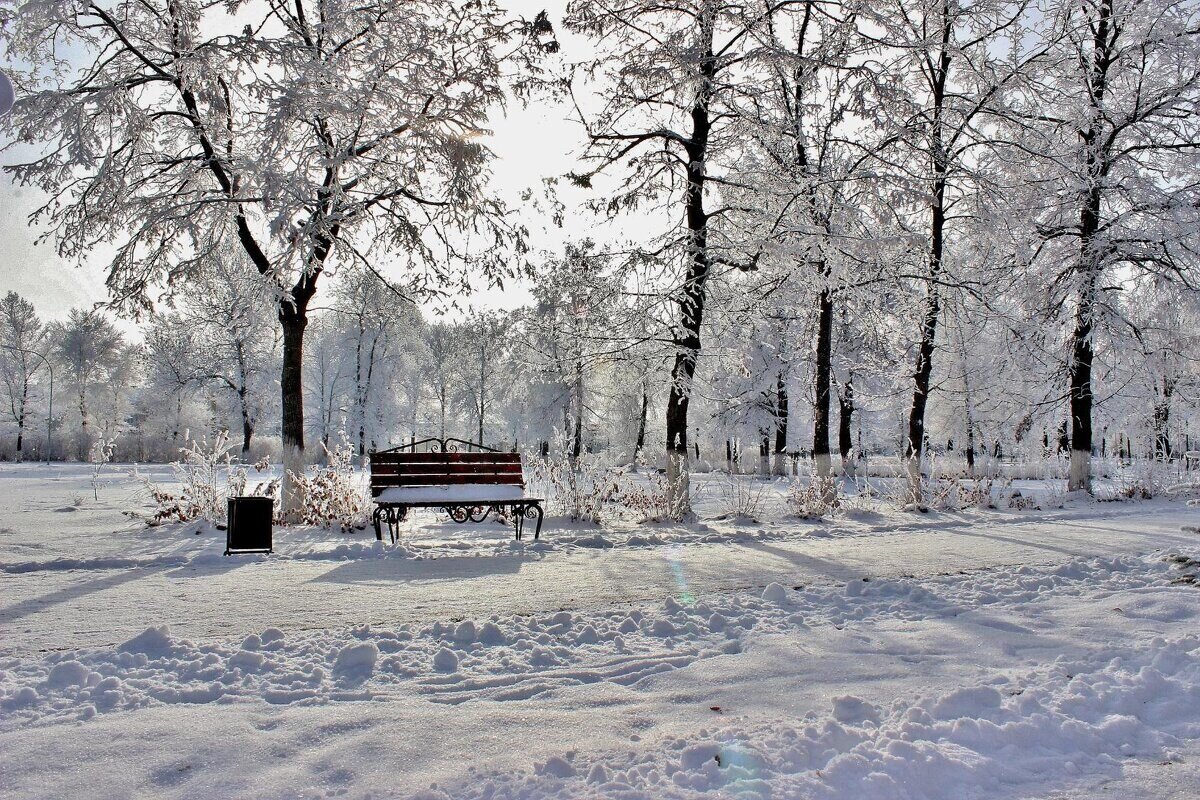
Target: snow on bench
[467, 485]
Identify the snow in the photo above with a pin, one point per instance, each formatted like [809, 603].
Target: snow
[452, 493]
[984, 655]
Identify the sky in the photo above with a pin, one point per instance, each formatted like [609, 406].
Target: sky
[531, 142]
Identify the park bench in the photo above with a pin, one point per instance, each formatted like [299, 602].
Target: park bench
[468, 481]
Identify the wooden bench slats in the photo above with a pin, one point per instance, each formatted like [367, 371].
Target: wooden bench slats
[438, 480]
[444, 469]
[445, 458]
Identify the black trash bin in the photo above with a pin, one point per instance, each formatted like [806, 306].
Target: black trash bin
[249, 529]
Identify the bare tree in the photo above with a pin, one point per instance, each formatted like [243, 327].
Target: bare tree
[23, 350]
[1116, 139]
[668, 76]
[943, 71]
[172, 357]
[89, 346]
[316, 134]
[237, 349]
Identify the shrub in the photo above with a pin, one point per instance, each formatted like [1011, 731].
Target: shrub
[815, 499]
[574, 488]
[334, 494]
[741, 496]
[648, 500]
[207, 477]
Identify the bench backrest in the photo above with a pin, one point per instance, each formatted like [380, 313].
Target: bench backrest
[391, 469]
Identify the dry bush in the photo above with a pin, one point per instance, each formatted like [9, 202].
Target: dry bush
[648, 500]
[207, 478]
[741, 496]
[574, 488]
[816, 499]
[334, 495]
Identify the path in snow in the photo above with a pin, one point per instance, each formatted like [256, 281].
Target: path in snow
[65, 609]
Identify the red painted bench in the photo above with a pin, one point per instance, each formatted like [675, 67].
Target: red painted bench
[467, 481]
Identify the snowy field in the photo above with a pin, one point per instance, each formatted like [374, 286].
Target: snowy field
[1048, 653]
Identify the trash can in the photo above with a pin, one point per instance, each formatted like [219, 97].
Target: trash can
[249, 528]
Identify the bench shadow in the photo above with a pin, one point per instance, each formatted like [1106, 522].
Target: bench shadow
[406, 570]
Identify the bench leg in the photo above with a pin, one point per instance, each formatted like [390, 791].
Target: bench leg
[393, 516]
[520, 512]
[397, 516]
[537, 531]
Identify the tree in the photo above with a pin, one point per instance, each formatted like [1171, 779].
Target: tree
[574, 327]
[483, 345]
[375, 319]
[945, 67]
[668, 76]
[805, 183]
[319, 134]
[441, 344]
[90, 349]
[329, 372]
[23, 350]
[237, 349]
[171, 355]
[1114, 133]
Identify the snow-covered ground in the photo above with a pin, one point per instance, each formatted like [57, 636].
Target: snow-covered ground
[1034, 654]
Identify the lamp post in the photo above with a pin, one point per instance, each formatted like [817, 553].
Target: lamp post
[50, 405]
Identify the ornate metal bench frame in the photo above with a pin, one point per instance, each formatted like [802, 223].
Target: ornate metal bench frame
[392, 514]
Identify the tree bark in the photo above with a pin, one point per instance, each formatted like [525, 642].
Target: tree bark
[781, 425]
[85, 441]
[845, 426]
[243, 393]
[1162, 421]
[822, 462]
[691, 301]
[293, 322]
[969, 408]
[1090, 255]
[21, 414]
[247, 430]
[640, 442]
[915, 443]
[577, 432]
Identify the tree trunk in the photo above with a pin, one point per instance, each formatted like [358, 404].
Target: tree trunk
[1162, 421]
[781, 425]
[360, 400]
[21, 417]
[641, 431]
[577, 423]
[915, 444]
[822, 463]
[482, 384]
[969, 408]
[1088, 273]
[970, 446]
[845, 426]
[247, 434]
[292, 419]
[85, 433]
[1080, 378]
[691, 301]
